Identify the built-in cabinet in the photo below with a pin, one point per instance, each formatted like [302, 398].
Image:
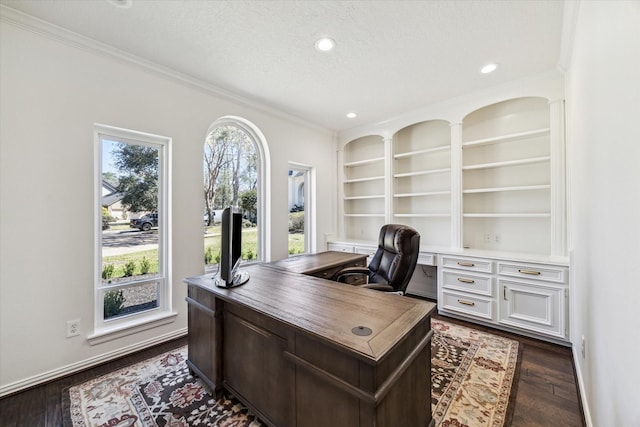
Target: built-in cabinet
[485, 188]
[522, 296]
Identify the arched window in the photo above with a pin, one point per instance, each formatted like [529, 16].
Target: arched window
[236, 173]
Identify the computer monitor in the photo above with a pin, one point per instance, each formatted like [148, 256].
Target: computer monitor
[229, 274]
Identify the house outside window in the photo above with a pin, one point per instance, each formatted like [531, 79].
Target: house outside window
[300, 182]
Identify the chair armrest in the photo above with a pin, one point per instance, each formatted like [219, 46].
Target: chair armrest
[378, 287]
[341, 275]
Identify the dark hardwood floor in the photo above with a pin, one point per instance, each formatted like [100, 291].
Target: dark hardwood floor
[546, 389]
[42, 406]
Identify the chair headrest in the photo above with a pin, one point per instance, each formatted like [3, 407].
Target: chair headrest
[396, 238]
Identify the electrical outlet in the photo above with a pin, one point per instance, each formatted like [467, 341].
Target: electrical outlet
[496, 238]
[73, 328]
[582, 347]
[488, 238]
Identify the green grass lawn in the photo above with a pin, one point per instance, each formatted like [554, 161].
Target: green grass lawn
[211, 244]
[120, 261]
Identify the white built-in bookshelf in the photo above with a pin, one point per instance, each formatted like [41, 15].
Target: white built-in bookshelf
[485, 188]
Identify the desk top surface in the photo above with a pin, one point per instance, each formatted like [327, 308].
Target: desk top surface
[310, 263]
[326, 309]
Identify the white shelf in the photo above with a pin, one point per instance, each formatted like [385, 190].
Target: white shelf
[425, 151]
[518, 162]
[426, 215]
[375, 196]
[367, 179]
[429, 193]
[499, 189]
[423, 172]
[365, 215]
[507, 138]
[364, 162]
[506, 215]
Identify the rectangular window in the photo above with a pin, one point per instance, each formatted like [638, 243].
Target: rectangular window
[300, 186]
[132, 251]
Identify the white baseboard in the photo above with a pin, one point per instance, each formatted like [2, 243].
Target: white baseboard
[88, 363]
[581, 390]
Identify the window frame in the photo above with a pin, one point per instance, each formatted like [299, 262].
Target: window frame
[309, 173]
[107, 329]
[264, 178]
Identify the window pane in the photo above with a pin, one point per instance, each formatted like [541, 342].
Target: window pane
[130, 219]
[130, 300]
[296, 184]
[230, 170]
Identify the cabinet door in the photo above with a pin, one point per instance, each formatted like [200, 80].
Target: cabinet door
[534, 307]
[254, 366]
[205, 331]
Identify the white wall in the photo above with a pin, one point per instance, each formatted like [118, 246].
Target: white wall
[603, 133]
[52, 94]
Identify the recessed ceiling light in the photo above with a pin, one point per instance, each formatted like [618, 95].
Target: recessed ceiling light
[124, 4]
[488, 68]
[352, 115]
[325, 44]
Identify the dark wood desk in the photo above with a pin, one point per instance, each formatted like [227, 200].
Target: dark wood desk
[283, 343]
[323, 264]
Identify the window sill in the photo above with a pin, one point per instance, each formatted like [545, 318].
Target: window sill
[124, 329]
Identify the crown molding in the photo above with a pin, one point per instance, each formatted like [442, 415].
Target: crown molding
[54, 32]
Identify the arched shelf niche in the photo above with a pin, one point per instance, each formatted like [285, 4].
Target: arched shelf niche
[421, 184]
[364, 188]
[507, 177]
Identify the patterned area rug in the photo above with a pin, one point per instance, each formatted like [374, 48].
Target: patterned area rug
[472, 373]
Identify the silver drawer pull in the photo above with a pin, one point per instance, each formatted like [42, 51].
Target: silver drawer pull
[466, 264]
[460, 279]
[532, 272]
[470, 303]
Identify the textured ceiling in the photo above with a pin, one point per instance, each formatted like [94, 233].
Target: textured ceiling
[391, 56]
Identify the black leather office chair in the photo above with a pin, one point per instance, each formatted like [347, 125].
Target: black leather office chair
[393, 263]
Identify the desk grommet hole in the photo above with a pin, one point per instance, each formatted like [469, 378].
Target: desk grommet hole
[362, 331]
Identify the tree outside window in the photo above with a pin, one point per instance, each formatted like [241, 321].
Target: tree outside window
[230, 170]
[133, 240]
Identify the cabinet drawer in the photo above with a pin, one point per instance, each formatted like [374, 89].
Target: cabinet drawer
[470, 264]
[468, 305]
[425, 258]
[461, 281]
[339, 247]
[533, 271]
